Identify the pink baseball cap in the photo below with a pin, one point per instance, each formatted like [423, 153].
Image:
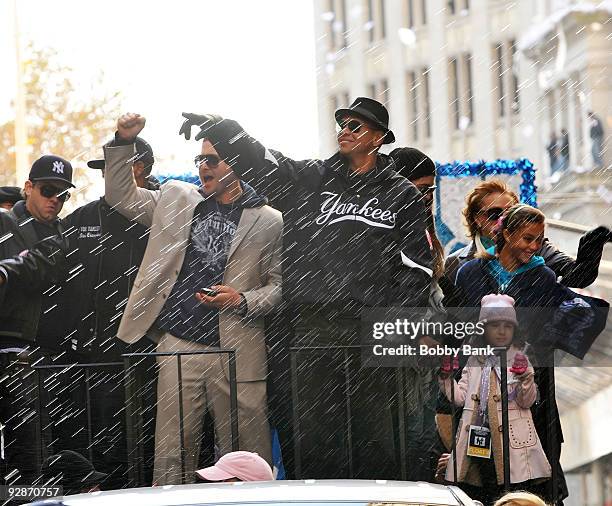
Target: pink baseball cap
[246, 466]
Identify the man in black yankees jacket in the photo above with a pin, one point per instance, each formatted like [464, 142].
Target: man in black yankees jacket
[106, 250]
[354, 237]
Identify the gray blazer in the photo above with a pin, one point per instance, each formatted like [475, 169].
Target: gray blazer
[253, 264]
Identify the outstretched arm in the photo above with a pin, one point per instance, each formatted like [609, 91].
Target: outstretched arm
[582, 271]
[270, 172]
[43, 264]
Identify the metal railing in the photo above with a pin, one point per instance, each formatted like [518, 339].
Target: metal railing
[133, 405]
[133, 432]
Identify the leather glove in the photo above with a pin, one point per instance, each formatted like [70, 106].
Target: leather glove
[191, 120]
[595, 238]
[520, 364]
[211, 126]
[43, 264]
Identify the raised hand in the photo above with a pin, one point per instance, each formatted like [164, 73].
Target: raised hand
[520, 364]
[130, 125]
[448, 365]
[201, 120]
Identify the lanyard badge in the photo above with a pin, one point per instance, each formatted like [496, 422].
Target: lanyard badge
[479, 442]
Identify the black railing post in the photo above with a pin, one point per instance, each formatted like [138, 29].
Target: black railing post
[233, 400]
[297, 440]
[130, 437]
[401, 408]
[349, 414]
[453, 426]
[88, 407]
[181, 426]
[551, 422]
[503, 358]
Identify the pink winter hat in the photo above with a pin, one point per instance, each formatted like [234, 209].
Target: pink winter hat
[494, 308]
[246, 466]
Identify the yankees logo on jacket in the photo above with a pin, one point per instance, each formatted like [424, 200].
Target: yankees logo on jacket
[350, 240]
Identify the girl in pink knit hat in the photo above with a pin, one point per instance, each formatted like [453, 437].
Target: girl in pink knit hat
[479, 437]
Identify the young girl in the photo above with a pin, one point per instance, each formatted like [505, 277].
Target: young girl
[479, 393]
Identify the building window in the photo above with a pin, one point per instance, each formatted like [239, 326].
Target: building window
[461, 91]
[413, 105]
[337, 29]
[498, 69]
[370, 23]
[457, 6]
[375, 24]
[516, 104]
[453, 77]
[383, 93]
[468, 86]
[426, 106]
[506, 78]
[417, 95]
[415, 13]
[410, 14]
[372, 91]
[379, 90]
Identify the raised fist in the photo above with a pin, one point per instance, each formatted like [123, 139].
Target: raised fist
[130, 125]
[520, 364]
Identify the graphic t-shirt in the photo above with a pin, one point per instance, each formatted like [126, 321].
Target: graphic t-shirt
[212, 230]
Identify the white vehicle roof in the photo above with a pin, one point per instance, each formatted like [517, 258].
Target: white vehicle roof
[288, 492]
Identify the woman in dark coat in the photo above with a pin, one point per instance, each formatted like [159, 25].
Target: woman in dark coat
[556, 318]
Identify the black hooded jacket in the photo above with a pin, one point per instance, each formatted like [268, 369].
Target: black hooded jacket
[350, 240]
[106, 250]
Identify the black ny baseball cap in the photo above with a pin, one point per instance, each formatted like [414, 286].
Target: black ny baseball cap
[144, 153]
[51, 168]
[71, 470]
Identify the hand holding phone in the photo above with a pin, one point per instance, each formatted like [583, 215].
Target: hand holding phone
[208, 291]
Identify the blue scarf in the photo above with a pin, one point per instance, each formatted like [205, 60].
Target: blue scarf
[502, 276]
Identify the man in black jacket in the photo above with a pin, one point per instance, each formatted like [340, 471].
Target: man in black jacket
[28, 222]
[107, 249]
[21, 280]
[354, 238]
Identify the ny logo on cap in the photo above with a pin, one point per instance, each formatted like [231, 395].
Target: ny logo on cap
[58, 167]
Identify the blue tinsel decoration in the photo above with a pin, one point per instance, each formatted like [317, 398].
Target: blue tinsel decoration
[482, 169]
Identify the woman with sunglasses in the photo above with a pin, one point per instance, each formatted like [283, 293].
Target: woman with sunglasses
[557, 319]
[485, 205]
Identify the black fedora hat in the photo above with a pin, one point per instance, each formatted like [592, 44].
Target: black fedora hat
[372, 111]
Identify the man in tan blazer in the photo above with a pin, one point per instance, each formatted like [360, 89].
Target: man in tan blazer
[220, 237]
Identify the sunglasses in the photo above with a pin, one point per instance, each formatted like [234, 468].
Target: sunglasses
[49, 191]
[212, 161]
[352, 124]
[426, 190]
[494, 214]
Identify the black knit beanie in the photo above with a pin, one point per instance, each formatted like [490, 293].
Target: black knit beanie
[412, 163]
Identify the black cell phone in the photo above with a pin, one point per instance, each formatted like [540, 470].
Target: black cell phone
[208, 291]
